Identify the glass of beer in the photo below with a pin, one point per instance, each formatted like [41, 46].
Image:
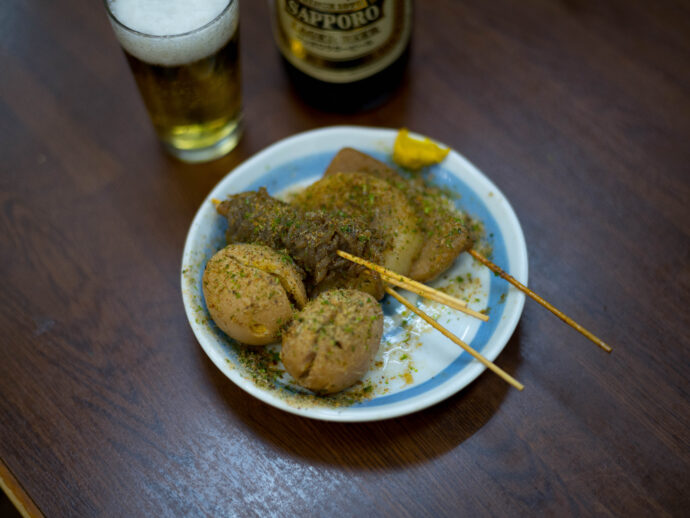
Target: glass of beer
[185, 60]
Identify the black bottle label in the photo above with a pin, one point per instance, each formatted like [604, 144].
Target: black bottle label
[344, 40]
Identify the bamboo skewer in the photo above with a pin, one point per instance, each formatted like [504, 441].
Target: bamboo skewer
[493, 367]
[400, 278]
[416, 287]
[540, 300]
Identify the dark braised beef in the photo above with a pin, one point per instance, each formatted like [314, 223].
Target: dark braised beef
[310, 238]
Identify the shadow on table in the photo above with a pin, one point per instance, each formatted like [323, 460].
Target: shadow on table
[397, 442]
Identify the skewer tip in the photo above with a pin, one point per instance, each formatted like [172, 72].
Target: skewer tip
[498, 271]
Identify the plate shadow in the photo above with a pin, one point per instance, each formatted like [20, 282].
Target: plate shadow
[379, 445]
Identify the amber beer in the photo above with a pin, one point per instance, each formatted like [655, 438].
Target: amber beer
[344, 55]
[184, 57]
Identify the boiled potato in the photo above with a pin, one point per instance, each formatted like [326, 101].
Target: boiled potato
[331, 342]
[383, 207]
[250, 291]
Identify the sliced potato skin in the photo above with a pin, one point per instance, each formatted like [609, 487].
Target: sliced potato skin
[381, 206]
[331, 342]
[248, 291]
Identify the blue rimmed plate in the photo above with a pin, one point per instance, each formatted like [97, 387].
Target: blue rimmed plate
[416, 366]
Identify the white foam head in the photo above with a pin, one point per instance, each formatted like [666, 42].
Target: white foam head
[173, 32]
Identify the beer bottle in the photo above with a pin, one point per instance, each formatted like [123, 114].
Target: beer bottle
[343, 55]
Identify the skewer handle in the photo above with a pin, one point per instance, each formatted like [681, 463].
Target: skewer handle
[565, 318]
[500, 372]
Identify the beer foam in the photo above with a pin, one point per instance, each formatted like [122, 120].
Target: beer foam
[173, 32]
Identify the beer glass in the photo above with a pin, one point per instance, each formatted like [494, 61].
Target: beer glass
[185, 60]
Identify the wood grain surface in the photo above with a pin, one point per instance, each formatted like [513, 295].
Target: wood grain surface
[578, 110]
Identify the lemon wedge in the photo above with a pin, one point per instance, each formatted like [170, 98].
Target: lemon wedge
[414, 153]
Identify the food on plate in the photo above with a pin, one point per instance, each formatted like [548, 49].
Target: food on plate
[382, 208]
[250, 292]
[415, 153]
[279, 253]
[310, 238]
[331, 342]
[445, 231]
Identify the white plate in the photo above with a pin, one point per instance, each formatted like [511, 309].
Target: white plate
[417, 366]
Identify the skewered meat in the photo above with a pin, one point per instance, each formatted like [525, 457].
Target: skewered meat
[310, 238]
[382, 207]
[445, 231]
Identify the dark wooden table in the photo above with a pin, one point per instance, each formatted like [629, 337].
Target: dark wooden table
[578, 110]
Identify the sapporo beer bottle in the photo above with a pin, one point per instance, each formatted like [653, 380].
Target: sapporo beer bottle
[343, 55]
